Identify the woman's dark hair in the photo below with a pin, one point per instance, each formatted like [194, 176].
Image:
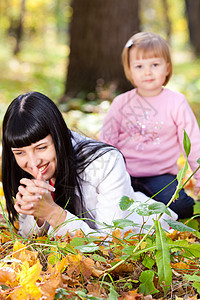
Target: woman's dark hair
[29, 118]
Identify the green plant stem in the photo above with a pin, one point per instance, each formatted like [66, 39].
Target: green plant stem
[190, 176]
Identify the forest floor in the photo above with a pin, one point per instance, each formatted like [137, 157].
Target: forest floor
[130, 266]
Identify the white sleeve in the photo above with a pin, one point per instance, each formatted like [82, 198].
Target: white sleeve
[116, 183]
[112, 183]
[28, 226]
[71, 224]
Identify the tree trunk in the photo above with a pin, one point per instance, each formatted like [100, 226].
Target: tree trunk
[99, 31]
[193, 15]
[167, 20]
[19, 28]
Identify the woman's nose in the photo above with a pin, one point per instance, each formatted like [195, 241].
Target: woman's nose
[33, 161]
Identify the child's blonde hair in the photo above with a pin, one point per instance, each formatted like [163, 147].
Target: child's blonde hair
[149, 45]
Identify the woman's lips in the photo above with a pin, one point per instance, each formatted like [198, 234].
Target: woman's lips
[43, 169]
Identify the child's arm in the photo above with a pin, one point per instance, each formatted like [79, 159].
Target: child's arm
[186, 120]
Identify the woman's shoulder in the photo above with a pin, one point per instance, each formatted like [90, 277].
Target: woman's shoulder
[109, 161]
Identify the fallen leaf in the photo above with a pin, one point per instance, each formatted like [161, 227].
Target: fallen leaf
[7, 276]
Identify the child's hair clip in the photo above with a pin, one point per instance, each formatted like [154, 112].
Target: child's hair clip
[129, 44]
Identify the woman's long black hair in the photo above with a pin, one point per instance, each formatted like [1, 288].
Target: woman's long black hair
[29, 118]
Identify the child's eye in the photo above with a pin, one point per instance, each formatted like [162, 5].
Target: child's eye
[155, 65]
[139, 67]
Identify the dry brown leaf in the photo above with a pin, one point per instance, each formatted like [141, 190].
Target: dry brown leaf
[173, 235]
[5, 236]
[131, 295]
[73, 268]
[117, 235]
[7, 276]
[123, 268]
[94, 288]
[86, 266]
[48, 287]
[67, 280]
[97, 273]
[181, 266]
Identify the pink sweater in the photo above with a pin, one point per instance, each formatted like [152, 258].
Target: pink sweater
[149, 132]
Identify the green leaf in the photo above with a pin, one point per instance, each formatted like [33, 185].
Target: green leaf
[193, 277]
[147, 285]
[92, 247]
[77, 241]
[122, 223]
[125, 203]
[113, 295]
[97, 257]
[157, 208]
[69, 248]
[4, 287]
[142, 209]
[181, 173]
[53, 259]
[148, 262]
[186, 143]
[85, 296]
[128, 250]
[60, 292]
[193, 250]
[179, 226]
[196, 285]
[198, 160]
[163, 257]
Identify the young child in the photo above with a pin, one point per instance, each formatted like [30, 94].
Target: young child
[147, 123]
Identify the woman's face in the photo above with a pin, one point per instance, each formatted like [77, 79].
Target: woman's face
[41, 154]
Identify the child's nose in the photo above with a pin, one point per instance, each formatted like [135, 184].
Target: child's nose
[148, 70]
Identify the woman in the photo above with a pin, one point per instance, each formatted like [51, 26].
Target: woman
[54, 178]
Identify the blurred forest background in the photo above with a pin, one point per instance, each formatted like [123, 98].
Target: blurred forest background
[70, 50]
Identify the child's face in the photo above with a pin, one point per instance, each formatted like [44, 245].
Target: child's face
[148, 74]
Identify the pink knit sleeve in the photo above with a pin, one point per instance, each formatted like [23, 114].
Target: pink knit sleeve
[186, 120]
[112, 122]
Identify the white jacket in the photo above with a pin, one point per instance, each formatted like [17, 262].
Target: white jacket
[105, 181]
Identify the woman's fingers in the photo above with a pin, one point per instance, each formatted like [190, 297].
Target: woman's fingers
[32, 190]
[37, 183]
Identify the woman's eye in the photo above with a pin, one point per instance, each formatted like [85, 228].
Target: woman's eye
[18, 153]
[42, 148]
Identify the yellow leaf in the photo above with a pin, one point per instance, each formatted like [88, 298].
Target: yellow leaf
[29, 275]
[21, 293]
[62, 264]
[20, 252]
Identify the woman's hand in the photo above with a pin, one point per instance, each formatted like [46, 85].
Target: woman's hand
[34, 198]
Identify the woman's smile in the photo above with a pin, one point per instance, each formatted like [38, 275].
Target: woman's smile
[44, 168]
